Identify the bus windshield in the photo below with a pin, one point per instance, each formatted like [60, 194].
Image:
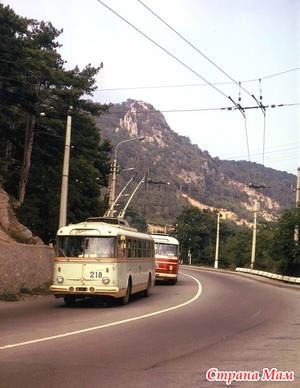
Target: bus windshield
[166, 249]
[83, 246]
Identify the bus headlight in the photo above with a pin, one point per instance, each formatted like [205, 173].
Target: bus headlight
[60, 279]
[105, 280]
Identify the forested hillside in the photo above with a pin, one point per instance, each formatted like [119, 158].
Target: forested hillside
[37, 94]
[191, 174]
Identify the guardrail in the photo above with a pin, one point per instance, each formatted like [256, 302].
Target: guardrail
[287, 279]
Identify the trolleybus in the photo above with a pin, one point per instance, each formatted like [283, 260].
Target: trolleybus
[102, 257]
[166, 258]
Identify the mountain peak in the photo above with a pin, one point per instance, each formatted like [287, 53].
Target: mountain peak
[194, 176]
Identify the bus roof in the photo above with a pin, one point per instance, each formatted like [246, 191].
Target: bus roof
[164, 239]
[101, 228]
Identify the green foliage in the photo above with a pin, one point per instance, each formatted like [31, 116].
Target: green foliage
[36, 93]
[196, 231]
[136, 221]
[285, 249]
[275, 251]
[235, 251]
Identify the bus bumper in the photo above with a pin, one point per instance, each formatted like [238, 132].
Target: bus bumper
[61, 291]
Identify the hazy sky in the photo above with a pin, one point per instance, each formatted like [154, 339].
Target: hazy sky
[233, 41]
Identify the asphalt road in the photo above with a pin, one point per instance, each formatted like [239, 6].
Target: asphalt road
[209, 319]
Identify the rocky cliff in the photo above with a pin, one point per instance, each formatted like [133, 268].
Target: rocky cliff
[11, 230]
[193, 175]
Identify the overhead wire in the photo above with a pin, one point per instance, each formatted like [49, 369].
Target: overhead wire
[190, 44]
[193, 85]
[186, 66]
[273, 154]
[162, 48]
[263, 109]
[227, 75]
[237, 105]
[229, 108]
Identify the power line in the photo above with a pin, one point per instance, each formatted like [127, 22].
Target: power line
[162, 48]
[193, 85]
[188, 67]
[239, 107]
[194, 47]
[274, 154]
[229, 108]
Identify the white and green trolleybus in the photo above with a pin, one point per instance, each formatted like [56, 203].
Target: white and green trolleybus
[102, 257]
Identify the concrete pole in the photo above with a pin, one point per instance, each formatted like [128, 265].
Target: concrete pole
[112, 193]
[254, 235]
[296, 232]
[65, 173]
[113, 186]
[217, 242]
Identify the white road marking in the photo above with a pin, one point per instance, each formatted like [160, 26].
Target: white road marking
[110, 324]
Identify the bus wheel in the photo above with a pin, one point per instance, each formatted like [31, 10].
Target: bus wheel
[173, 281]
[70, 300]
[125, 299]
[148, 289]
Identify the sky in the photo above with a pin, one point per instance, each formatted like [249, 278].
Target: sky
[192, 60]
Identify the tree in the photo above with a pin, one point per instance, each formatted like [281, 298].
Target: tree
[36, 93]
[196, 231]
[235, 251]
[89, 171]
[39, 81]
[285, 250]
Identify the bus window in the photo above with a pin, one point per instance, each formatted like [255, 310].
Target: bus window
[166, 249]
[79, 246]
[105, 247]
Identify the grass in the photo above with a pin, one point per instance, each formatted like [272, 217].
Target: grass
[44, 289]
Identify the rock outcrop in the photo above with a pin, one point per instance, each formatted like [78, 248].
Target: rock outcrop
[11, 230]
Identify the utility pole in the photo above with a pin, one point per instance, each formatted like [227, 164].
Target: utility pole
[254, 234]
[296, 232]
[111, 209]
[65, 173]
[217, 242]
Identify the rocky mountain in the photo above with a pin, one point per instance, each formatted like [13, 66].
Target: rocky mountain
[180, 173]
[11, 230]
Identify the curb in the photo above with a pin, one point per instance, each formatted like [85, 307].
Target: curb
[286, 279]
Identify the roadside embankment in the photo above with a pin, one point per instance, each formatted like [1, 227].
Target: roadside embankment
[24, 267]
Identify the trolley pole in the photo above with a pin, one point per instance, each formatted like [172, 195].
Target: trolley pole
[112, 193]
[65, 173]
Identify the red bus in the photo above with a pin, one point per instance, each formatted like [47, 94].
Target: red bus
[166, 258]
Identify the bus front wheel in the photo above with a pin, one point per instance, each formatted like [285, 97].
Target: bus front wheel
[70, 300]
[125, 299]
